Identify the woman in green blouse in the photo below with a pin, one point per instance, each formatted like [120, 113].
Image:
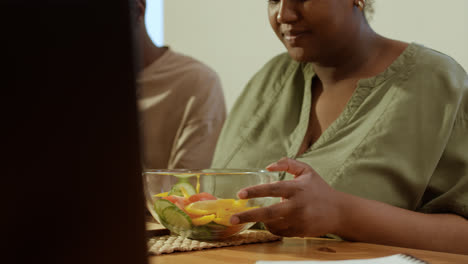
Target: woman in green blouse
[374, 131]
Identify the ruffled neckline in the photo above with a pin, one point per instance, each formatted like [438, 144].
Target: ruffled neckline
[404, 60]
[364, 87]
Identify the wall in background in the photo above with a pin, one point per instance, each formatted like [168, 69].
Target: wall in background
[232, 37]
[235, 39]
[441, 27]
[154, 20]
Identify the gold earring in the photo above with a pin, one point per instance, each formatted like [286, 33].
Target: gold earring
[360, 4]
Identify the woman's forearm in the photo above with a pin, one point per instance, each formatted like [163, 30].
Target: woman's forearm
[376, 222]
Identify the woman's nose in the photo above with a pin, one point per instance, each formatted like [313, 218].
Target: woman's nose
[287, 12]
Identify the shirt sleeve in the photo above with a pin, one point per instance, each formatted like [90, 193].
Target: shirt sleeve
[204, 115]
[447, 191]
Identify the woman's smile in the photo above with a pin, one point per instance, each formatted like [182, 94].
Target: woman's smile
[292, 37]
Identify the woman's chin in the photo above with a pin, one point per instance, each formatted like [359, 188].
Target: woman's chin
[299, 55]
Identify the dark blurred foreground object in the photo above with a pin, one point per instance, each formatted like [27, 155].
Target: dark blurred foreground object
[71, 184]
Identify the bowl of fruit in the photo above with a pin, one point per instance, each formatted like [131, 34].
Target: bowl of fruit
[199, 203]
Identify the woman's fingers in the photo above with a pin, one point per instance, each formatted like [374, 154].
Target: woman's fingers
[291, 166]
[285, 231]
[281, 210]
[285, 227]
[284, 189]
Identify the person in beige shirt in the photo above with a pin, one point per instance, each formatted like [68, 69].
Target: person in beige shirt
[181, 104]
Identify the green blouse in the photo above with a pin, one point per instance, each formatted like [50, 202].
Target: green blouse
[402, 138]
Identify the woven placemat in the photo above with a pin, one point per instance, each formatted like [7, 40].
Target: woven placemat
[173, 243]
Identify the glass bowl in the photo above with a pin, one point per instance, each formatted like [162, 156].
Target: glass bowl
[199, 203]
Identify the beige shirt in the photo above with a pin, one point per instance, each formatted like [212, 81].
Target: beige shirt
[182, 111]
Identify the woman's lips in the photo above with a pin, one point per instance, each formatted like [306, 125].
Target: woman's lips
[293, 36]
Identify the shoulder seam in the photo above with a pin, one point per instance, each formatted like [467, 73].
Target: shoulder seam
[248, 128]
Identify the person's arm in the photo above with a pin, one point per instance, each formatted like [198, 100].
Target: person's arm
[376, 222]
[203, 119]
[310, 207]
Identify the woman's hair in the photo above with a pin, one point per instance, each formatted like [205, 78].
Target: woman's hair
[369, 9]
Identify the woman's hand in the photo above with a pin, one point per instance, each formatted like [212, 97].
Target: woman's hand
[309, 206]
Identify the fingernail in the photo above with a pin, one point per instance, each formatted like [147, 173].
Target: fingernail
[271, 165]
[242, 194]
[235, 220]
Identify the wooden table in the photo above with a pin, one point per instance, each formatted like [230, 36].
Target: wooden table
[298, 249]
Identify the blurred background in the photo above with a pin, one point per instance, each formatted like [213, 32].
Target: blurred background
[235, 39]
